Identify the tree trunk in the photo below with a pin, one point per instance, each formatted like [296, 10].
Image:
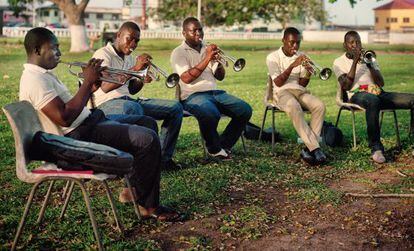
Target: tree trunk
[74, 13]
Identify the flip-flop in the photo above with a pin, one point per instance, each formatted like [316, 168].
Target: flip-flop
[175, 216]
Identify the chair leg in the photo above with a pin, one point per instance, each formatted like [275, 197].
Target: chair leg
[45, 201]
[411, 131]
[397, 130]
[114, 210]
[263, 123]
[243, 142]
[65, 189]
[337, 117]
[134, 201]
[353, 129]
[90, 212]
[25, 213]
[68, 195]
[273, 130]
[381, 118]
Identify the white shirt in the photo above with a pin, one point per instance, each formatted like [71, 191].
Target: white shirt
[277, 62]
[111, 59]
[40, 86]
[363, 76]
[184, 58]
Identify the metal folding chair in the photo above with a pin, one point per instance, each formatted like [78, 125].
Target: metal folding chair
[25, 123]
[353, 108]
[270, 105]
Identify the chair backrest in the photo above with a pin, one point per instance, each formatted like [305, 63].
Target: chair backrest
[269, 98]
[24, 123]
[340, 94]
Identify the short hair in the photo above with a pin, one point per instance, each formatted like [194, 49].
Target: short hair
[350, 33]
[130, 25]
[36, 37]
[290, 30]
[189, 20]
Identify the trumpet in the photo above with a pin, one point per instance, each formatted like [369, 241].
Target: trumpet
[324, 73]
[368, 56]
[170, 80]
[238, 64]
[140, 75]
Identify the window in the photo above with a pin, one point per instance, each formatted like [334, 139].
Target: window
[376, 20]
[115, 16]
[56, 13]
[406, 19]
[86, 15]
[45, 13]
[99, 15]
[394, 20]
[388, 19]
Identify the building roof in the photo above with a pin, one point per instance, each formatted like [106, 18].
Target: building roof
[397, 4]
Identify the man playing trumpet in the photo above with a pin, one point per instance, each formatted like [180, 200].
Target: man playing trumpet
[114, 99]
[199, 69]
[290, 73]
[363, 83]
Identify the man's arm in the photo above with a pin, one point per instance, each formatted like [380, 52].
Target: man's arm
[63, 114]
[193, 73]
[283, 77]
[346, 80]
[220, 72]
[141, 63]
[376, 75]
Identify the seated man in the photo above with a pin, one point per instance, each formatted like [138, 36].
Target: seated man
[197, 65]
[363, 84]
[290, 78]
[60, 112]
[114, 99]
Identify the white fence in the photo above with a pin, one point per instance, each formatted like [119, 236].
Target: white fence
[21, 32]
[317, 36]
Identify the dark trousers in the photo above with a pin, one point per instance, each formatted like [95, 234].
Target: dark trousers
[141, 142]
[208, 106]
[373, 104]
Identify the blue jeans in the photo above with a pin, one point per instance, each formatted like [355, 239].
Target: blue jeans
[373, 104]
[170, 111]
[208, 106]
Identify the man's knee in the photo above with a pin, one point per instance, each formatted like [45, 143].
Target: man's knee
[246, 112]
[143, 138]
[176, 109]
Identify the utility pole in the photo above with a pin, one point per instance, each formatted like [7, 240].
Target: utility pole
[199, 10]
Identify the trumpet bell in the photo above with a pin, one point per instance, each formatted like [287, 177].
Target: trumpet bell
[369, 57]
[172, 80]
[325, 74]
[239, 64]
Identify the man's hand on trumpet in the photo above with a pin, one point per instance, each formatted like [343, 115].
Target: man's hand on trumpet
[92, 72]
[212, 52]
[142, 62]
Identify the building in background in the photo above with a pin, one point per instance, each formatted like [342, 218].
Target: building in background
[396, 16]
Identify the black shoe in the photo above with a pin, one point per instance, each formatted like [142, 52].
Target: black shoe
[170, 165]
[307, 156]
[320, 157]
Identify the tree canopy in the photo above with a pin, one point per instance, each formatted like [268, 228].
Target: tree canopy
[229, 12]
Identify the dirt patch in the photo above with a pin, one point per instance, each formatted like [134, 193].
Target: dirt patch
[289, 224]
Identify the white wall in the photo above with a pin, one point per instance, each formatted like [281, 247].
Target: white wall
[401, 38]
[331, 36]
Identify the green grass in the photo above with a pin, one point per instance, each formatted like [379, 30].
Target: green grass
[202, 187]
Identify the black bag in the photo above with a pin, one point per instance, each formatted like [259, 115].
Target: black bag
[252, 132]
[331, 135]
[71, 154]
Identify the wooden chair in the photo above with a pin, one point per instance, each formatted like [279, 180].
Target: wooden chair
[353, 108]
[25, 123]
